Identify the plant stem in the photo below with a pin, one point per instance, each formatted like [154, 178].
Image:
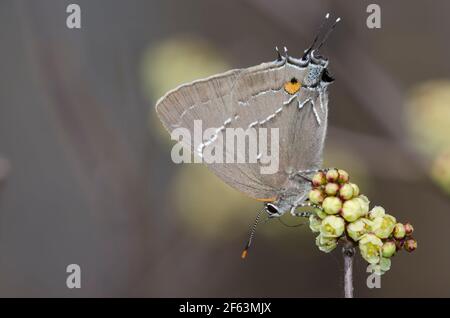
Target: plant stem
[348, 251]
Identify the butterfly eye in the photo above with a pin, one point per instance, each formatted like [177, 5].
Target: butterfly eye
[271, 209]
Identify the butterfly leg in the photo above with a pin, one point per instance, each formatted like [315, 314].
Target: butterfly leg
[301, 205]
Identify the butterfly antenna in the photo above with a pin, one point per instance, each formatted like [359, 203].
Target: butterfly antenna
[316, 38]
[252, 233]
[328, 33]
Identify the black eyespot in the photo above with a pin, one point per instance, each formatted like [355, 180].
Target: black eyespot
[294, 80]
[271, 209]
[326, 77]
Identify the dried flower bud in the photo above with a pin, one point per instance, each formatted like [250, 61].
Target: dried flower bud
[331, 188]
[343, 176]
[332, 175]
[399, 231]
[351, 210]
[408, 229]
[319, 179]
[399, 244]
[346, 192]
[410, 245]
[388, 249]
[332, 205]
[316, 196]
[332, 226]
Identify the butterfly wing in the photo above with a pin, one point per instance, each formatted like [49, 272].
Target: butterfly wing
[238, 99]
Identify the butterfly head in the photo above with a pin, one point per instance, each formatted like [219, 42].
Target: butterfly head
[276, 209]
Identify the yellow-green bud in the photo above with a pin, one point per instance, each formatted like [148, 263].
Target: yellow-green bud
[383, 266]
[383, 226]
[376, 212]
[388, 249]
[343, 176]
[320, 213]
[319, 179]
[346, 192]
[399, 231]
[332, 175]
[364, 204]
[331, 188]
[314, 223]
[332, 226]
[326, 244]
[355, 189]
[316, 196]
[332, 205]
[410, 245]
[370, 248]
[358, 228]
[351, 210]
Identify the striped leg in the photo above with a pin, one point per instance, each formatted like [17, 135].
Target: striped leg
[303, 214]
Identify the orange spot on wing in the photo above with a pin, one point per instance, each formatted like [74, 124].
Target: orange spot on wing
[292, 87]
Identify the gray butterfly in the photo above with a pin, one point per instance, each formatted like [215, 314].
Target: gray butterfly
[289, 94]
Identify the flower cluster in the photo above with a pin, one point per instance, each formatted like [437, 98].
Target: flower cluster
[342, 213]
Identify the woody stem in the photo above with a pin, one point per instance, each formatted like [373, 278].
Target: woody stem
[348, 252]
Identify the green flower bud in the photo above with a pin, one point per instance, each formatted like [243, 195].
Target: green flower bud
[320, 213]
[326, 244]
[364, 204]
[383, 226]
[332, 175]
[332, 205]
[376, 212]
[331, 189]
[408, 229]
[351, 210]
[319, 179]
[370, 248]
[388, 249]
[399, 231]
[355, 189]
[314, 223]
[358, 228]
[332, 226]
[316, 196]
[346, 192]
[385, 264]
[343, 176]
[410, 245]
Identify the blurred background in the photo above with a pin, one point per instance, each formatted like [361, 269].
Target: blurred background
[86, 175]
